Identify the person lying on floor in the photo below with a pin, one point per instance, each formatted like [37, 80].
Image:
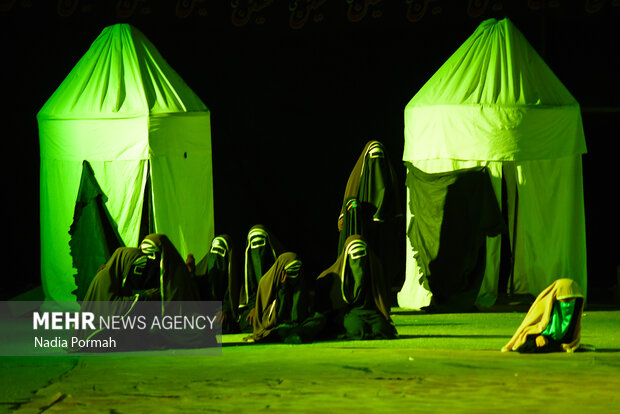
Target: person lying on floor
[353, 294]
[283, 309]
[553, 322]
[261, 252]
[217, 279]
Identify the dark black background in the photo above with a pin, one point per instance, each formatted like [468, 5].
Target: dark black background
[293, 101]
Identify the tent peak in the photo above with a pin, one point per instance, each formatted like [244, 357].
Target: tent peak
[122, 74]
[495, 98]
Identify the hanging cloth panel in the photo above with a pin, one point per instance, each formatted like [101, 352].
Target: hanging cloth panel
[122, 181]
[182, 180]
[550, 238]
[415, 292]
[453, 214]
[93, 232]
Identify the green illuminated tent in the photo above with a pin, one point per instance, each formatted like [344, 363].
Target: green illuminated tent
[495, 103]
[146, 136]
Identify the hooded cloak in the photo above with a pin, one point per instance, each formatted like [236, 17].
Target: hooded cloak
[353, 290]
[540, 314]
[374, 184]
[131, 272]
[261, 252]
[373, 181]
[107, 285]
[282, 297]
[153, 272]
[217, 278]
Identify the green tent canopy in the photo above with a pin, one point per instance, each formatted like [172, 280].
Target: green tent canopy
[496, 104]
[123, 109]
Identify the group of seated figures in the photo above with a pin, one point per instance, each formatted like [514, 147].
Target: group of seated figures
[266, 293]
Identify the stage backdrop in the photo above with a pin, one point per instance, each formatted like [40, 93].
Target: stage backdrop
[311, 79]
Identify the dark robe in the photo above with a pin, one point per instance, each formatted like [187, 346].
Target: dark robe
[153, 272]
[261, 252]
[374, 184]
[283, 309]
[108, 286]
[354, 295]
[453, 213]
[218, 279]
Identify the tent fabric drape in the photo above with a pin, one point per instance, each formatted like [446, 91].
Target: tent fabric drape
[550, 234]
[549, 240]
[454, 212]
[123, 109]
[93, 235]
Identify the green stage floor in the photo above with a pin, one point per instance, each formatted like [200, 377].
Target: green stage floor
[441, 363]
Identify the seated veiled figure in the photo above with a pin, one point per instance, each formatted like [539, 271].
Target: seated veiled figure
[261, 252]
[373, 209]
[283, 308]
[153, 272]
[217, 279]
[553, 322]
[353, 294]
